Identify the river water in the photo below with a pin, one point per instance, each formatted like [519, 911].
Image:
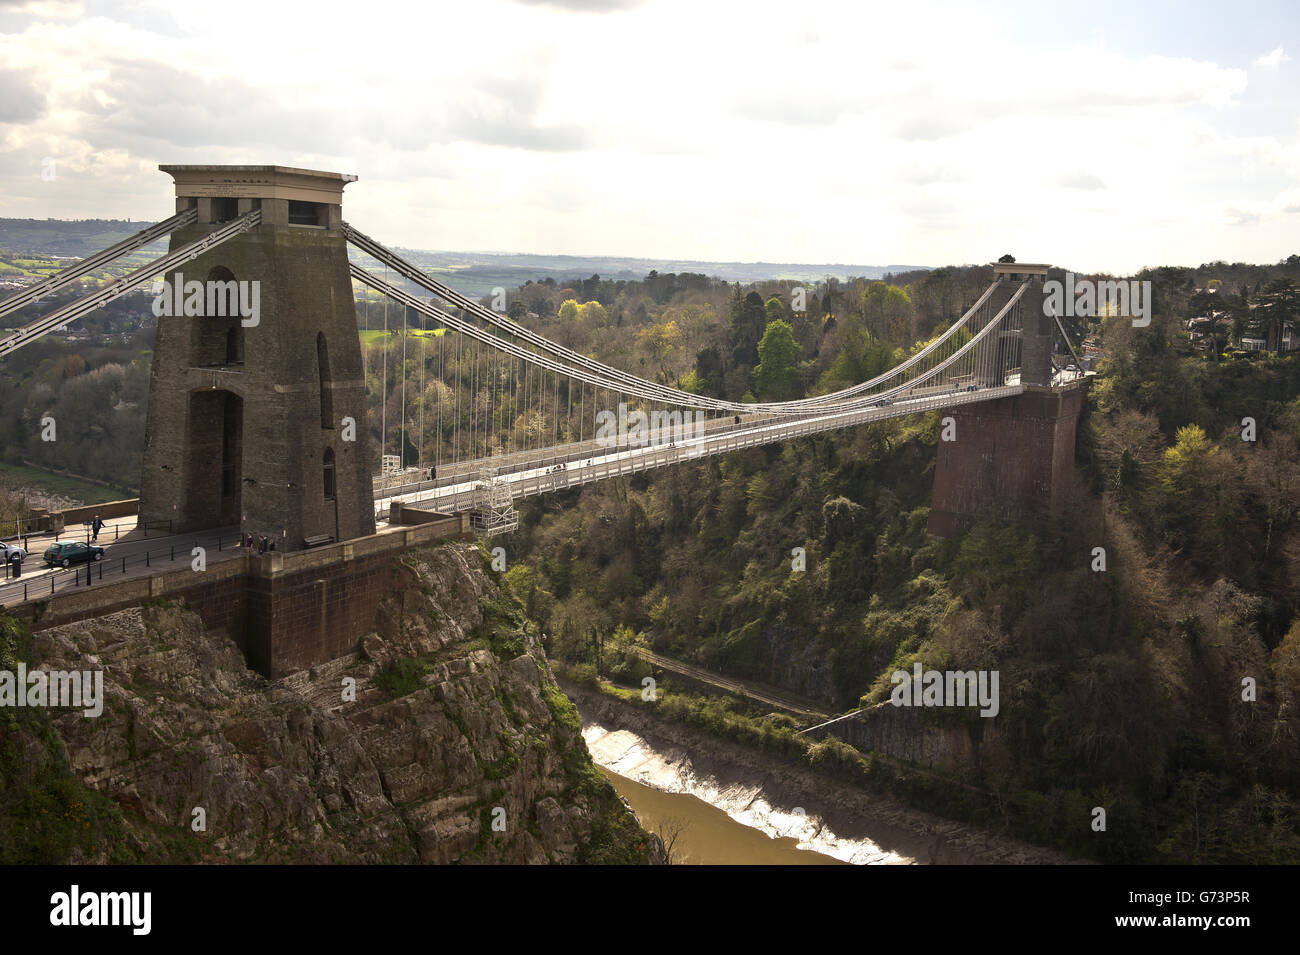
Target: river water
[706, 835]
[719, 822]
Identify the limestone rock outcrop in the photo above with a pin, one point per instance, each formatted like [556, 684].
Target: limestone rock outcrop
[444, 738]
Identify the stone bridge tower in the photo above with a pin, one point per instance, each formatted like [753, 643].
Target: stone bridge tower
[1011, 456]
[257, 414]
[1037, 328]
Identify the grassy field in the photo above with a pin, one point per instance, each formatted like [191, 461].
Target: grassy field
[18, 266]
[18, 475]
[373, 335]
[47, 266]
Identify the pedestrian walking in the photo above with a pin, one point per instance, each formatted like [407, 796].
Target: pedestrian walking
[95, 525]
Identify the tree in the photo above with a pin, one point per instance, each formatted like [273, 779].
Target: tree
[844, 520]
[709, 372]
[593, 315]
[776, 378]
[407, 449]
[568, 311]
[861, 358]
[668, 832]
[774, 309]
[1204, 495]
[1183, 466]
[747, 323]
[888, 312]
[662, 340]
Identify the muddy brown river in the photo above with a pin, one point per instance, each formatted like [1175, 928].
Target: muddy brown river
[720, 821]
[706, 835]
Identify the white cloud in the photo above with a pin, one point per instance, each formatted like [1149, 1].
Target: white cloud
[822, 132]
[1288, 202]
[1271, 61]
[44, 9]
[1081, 180]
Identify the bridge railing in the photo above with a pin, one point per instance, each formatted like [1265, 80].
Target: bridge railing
[32, 585]
[627, 461]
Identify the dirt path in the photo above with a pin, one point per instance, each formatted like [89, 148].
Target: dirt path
[751, 688]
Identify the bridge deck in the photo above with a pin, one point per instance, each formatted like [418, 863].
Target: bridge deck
[536, 473]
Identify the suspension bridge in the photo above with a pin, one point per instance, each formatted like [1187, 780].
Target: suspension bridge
[262, 425]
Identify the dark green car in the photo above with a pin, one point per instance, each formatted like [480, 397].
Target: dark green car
[71, 552]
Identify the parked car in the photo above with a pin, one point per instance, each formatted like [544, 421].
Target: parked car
[12, 552]
[71, 552]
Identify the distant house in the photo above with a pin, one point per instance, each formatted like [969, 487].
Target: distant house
[1288, 336]
[1253, 344]
[1204, 330]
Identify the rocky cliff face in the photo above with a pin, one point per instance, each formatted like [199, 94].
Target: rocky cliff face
[443, 739]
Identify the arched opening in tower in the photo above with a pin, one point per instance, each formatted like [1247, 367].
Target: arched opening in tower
[211, 496]
[218, 336]
[323, 374]
[328, 469]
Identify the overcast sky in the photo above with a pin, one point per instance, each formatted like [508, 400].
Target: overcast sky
[1093, 136]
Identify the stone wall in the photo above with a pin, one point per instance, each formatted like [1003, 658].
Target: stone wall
[296, 620]
[910, 734]
[1009, 459]
[286, 612]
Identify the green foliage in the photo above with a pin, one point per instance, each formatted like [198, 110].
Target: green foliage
[748, 320]
[562, 709]
[887, 311]
[1101, 672]
[776, 378]
[993, 560]
[402, 677]
[504, 618]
